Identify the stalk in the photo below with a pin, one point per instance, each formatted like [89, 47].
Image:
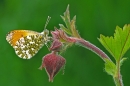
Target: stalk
[93, 48]
[86, 44]
[118, 77]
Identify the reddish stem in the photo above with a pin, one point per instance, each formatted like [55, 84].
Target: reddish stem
[92, 47]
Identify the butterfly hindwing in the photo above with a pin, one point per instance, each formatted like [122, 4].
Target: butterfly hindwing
[26, 43]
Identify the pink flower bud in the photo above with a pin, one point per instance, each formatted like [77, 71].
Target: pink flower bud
[56, 46]
[52, 64]
[62, 36]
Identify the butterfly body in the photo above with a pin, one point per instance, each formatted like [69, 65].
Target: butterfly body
[27, 43]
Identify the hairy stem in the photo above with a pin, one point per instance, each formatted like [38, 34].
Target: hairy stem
[93, 48]
[118, 77]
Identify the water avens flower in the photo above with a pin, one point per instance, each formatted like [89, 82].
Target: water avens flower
[56, 46]
[52, 63]
[62, 36]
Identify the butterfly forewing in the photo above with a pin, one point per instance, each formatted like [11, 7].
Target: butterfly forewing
[26, 43]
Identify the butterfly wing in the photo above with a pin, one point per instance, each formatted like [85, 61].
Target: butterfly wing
[26, 43]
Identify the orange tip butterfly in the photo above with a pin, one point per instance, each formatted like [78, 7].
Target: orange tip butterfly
[27, 43]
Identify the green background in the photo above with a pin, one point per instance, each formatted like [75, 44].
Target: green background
[83, 67]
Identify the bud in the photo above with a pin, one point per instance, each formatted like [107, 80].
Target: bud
[52, 63]
[62, 36]
[56, 46]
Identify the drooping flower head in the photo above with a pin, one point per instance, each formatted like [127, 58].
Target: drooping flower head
[52, 63]
[62, 38]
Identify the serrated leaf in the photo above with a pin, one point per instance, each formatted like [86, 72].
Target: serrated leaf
[70, 24]
[110, 67]
[73, 28]
[119, 44]
[67, 17]
[65, 29]
[63, 18]
[122, 60]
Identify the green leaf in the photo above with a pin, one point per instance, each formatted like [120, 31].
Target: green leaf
[122, 60]
[66, 17]
[119, 44]
[110, 67]
[70, 24]
[65, 29]
[73, 28]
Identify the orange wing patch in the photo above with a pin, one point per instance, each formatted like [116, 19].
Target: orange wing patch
[27, 43]
[15, 35]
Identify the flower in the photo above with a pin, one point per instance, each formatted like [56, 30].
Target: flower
[62, 36]
[56, 46]
[52, 63]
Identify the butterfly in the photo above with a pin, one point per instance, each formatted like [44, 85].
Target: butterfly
[27, 43]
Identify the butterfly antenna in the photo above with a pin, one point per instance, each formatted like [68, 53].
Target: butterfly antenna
[47, 21]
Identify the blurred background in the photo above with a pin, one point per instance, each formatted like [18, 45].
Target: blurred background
[83, 67]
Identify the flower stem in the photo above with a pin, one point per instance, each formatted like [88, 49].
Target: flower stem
[93, 48]
[118, 77]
